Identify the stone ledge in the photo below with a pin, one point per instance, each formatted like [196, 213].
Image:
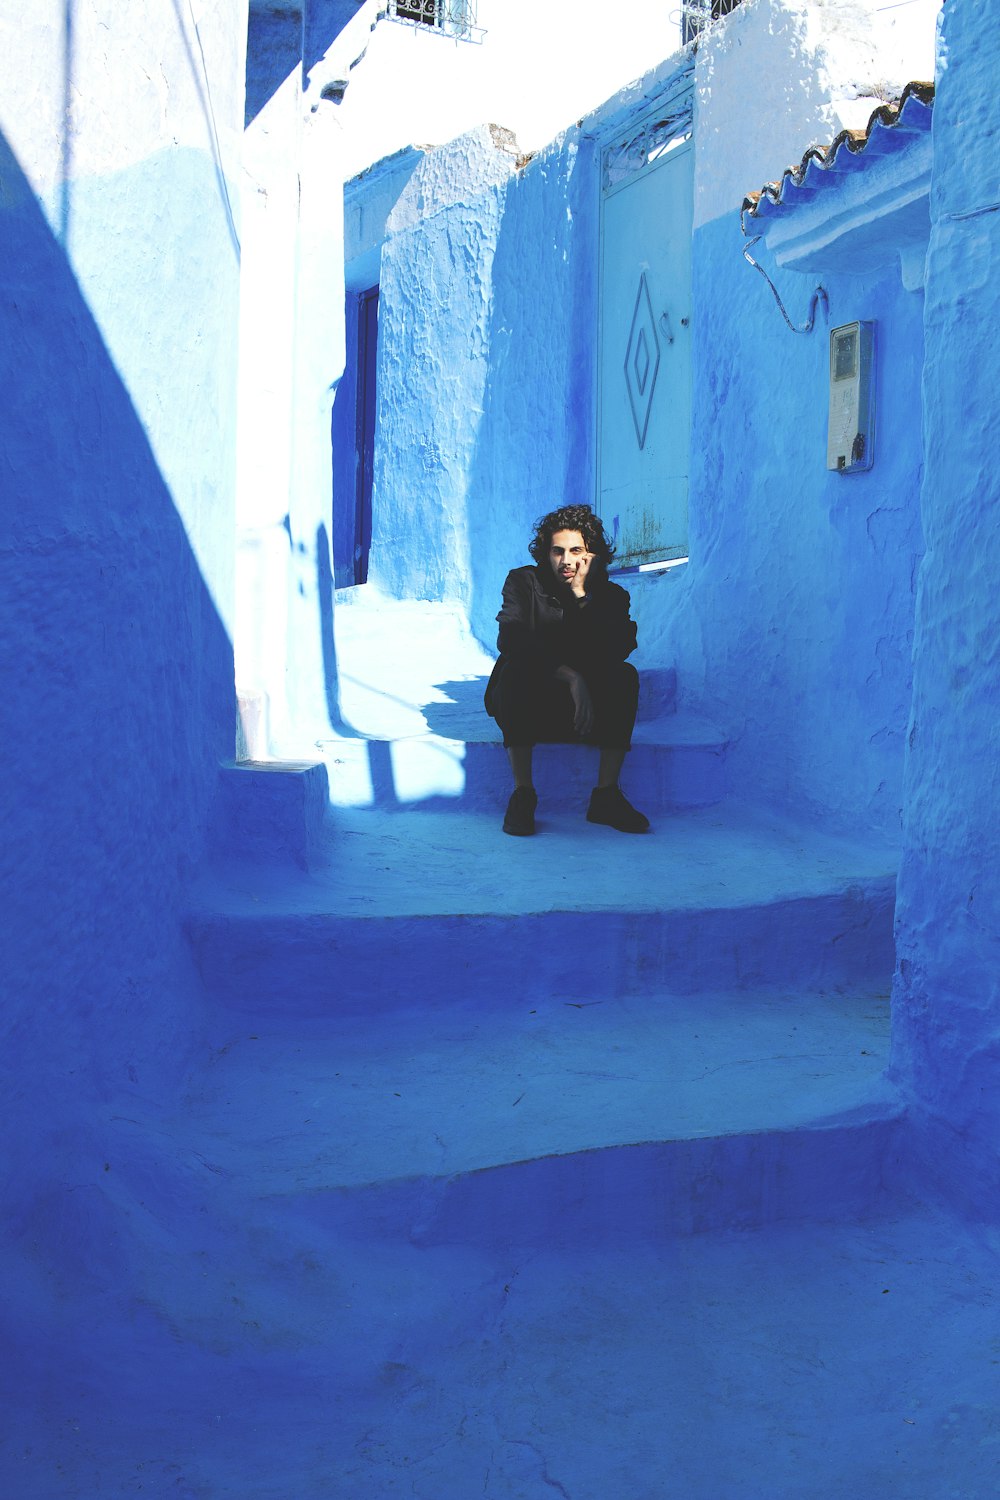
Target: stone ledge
[271, 811]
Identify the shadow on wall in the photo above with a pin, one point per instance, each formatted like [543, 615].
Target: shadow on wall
[328, 641]
[118, 706]
[282, 37]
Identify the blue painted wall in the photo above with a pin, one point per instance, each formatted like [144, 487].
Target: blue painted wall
[792, 624]
[117, 352]
[947, 996]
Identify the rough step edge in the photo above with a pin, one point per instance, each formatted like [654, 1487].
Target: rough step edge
[647, 1191]
[312, 964]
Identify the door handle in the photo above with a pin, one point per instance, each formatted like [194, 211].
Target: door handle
[668, 332]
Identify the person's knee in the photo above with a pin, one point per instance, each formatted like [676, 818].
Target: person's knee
[623, 679]
[521, 680]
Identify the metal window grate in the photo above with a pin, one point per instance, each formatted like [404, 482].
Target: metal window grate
[649, 140]
[698, 15]
[453, 18]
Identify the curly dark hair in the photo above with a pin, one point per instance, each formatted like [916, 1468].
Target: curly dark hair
[572, 518]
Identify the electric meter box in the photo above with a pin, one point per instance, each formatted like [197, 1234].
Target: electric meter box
[850, 444]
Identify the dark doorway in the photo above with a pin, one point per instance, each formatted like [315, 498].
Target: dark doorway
[352, 433]
[365, 428]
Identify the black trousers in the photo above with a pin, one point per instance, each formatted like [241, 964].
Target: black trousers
[532, 706]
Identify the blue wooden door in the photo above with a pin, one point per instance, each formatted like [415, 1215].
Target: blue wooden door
[644, 393]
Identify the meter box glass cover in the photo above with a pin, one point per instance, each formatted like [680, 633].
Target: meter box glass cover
[850, 447]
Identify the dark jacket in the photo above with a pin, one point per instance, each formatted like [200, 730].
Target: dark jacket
[543, 622]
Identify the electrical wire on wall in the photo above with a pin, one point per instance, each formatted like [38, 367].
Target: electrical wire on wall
[818, 295]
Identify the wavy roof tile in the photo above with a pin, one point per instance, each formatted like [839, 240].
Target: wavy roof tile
[886, 131]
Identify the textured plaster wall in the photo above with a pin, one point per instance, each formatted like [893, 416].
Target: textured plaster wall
[792, 622]
[145, 214]
[318, 363]
[485, 366]
[791, 625]
[947, 1035]
[118, 296]
[434, 354]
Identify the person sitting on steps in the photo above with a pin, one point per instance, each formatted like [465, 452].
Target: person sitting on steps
[562, 675]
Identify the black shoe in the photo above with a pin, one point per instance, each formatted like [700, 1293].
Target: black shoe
[608, 804]
[520, 815]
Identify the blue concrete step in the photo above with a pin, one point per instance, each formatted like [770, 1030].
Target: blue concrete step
[277, 810]
[558, 1121]
[636, 1194]
[676, 761]
[406, 909]
[811, 1360]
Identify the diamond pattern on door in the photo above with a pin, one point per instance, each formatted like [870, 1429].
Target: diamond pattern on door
[642, 361]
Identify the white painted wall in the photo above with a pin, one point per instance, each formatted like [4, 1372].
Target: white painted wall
[269, 195]
[69, 69]
[541, 65]
[291, 356]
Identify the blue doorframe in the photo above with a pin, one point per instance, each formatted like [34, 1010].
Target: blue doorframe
[644, 363]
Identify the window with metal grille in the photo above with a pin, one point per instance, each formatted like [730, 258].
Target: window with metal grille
[454, 18]
[698, 15]
[423, 11]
